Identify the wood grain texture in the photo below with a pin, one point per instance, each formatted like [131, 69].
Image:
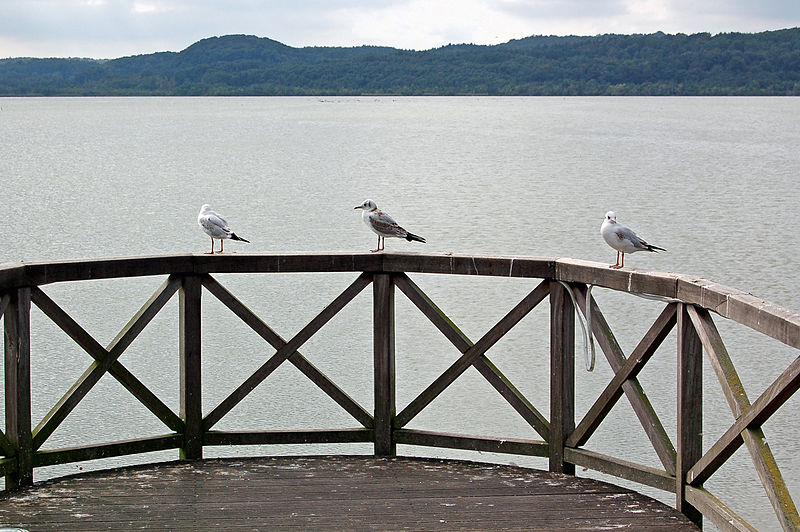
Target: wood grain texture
[486, 368]
[761, 315]
[17, 366]
[296, 358]
[384, 384]
[690, 410]
[764, 461]
[633, 389]
[562, 376]
[333, 493]
[98, 352]
[93, 373]
[613, 391]
[191, 392]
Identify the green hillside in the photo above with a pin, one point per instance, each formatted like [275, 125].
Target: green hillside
[765, 63]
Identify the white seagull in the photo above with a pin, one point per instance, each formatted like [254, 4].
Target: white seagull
[216, 226]
[383, 225]
[622, 239]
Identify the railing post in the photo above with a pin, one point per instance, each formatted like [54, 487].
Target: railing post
[383, 350]
[562, 376]
[18, 385]
[690, 410]
[190, 389]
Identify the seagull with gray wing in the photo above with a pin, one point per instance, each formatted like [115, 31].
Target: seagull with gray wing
[383, 225]
[216, 227]
[622, 239]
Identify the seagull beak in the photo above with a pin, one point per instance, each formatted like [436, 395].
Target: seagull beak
[358, 207]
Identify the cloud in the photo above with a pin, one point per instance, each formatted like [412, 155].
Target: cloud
[563, 9]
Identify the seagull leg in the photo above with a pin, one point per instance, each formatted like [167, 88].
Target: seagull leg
[212, 248]
[617, 265]
[378, 247]
[221, 244]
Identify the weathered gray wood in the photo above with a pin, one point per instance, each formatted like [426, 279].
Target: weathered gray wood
[751, 311]
[384, 363]
[562, 376]
[69, 455]
[641, 474]
[721, 515]
[434, 314]
[128, 334]
[739, 306]
[296, 358]
[6, 447]
[191, 396]
[635, 363]
[460, 340]
[766, 467]
[494, 334]
[4, 301]
[8, 466]
[449, 263]
[633, 390]
[93, 348]
[17, 326]
[513, 396]
[760, 315]
[41, 273]
[288, 437]
[286, 351]
[626, 279]
[690, 410]
[12, 276]
[334, 493]
[472, 443]
[767, 404]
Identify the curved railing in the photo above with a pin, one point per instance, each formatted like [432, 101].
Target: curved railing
[688, 306]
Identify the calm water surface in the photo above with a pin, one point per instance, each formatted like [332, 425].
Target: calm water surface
[713, 180]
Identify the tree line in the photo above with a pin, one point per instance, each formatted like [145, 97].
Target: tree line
[766, 63]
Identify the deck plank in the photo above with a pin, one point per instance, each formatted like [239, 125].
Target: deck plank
[331, 492]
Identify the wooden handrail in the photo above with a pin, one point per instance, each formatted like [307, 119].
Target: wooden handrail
[741, 307]
[689, 301]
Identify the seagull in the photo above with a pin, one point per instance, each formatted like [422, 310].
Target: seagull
[216, 226]
[383, 225]
[623, 239]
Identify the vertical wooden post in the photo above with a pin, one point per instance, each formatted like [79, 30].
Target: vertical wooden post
[383, 350]
[18, 385]
[191, 396]
[690, 410]
[562, 376]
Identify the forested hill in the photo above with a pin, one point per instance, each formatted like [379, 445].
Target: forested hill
[765, 63]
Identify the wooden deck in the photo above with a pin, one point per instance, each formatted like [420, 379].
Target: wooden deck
[332, 492]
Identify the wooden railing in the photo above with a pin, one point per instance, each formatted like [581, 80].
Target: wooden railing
[688, 306]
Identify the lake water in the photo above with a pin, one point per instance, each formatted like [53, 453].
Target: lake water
[712, 180]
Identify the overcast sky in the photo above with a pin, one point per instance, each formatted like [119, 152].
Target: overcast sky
[115, 28]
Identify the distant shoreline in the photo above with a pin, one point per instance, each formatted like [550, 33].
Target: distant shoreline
[729, 64]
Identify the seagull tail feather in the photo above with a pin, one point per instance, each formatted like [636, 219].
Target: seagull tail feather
[234, 236]
[412, 236]
[654, 249]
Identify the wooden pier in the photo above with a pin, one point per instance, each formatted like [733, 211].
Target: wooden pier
[333, 493]
[557, 435]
